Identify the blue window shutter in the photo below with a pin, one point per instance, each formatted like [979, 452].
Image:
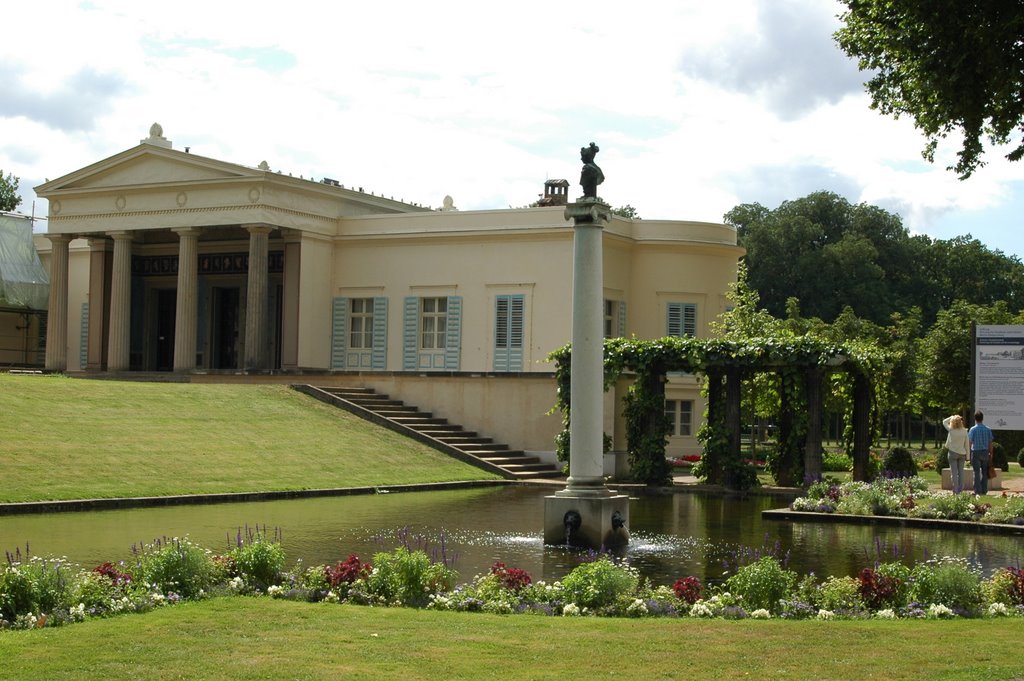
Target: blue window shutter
[83, 351]
[379, 356]
[339, 332]
[508, 332]
[690, 320]
[453, 339]
[410, 333]
[622, 319]
[682, 320]
[501, 319]
[674, 325]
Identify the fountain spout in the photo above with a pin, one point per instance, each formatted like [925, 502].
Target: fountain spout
[572, 522]
[618, 536]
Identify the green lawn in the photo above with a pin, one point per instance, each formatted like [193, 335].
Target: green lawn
[64, 438]
[249, 638]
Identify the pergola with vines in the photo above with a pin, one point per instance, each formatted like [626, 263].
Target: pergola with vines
[802, 363]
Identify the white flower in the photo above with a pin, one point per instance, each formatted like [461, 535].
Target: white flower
[637, 608]
[938, 611]
[571, 610]
[332, 597]
[998, 610]
[826, 614]
[761, 614]
[236, 584]
[887, 614]
[701, 609]
[274, 590]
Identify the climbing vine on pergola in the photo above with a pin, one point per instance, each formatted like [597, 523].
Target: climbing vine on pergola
[802, 363]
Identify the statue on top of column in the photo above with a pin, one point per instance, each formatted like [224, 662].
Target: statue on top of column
[591, 175]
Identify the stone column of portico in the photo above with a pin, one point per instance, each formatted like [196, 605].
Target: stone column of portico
[57, 314]
[186, 306]
[118, 343]
[256, 299]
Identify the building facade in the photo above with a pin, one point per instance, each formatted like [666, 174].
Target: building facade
[162, 260]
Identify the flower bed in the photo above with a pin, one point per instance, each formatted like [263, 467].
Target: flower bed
[38, 592]
[907, 498]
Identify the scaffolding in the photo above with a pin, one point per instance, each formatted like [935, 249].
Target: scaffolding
[24, 294]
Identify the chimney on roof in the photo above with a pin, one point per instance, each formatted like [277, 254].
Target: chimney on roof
[556, 193]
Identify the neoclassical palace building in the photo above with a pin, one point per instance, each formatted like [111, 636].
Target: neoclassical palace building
[161, 260]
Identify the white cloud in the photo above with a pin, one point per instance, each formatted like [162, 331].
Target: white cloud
[697, 106]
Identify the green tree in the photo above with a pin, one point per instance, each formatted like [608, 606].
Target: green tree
[945, 360]
[9, 198]
[626, 211]
[829, 254]
[952, 65]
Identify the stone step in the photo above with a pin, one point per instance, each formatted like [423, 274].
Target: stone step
[515, 462]
[414, 421]
[461, 441]
[505, 461]
[485, 449]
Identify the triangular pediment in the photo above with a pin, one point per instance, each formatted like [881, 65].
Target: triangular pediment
[147, 165]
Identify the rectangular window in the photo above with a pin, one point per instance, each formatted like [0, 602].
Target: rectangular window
[682, 320]
[360, 335]
[433, 323]
[680, 416]
[609, 319]
[508, 332]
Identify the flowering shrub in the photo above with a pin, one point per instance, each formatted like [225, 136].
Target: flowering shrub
[904, 497]
[175, 566]
[688, 589]
[347, 572]
[885, 586]
[512, 579]
[47, 592]
[405, 577]
[762, 584]
[599, 583]
[952, 582]
[259, 562]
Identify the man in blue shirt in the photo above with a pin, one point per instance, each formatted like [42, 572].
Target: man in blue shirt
[980, 437]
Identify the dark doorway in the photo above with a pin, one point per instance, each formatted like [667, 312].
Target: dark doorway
[225, 328]
[166, 304]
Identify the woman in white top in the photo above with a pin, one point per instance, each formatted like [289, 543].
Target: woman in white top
[956, 445]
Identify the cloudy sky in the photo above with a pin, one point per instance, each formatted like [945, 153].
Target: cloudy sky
[697, 106]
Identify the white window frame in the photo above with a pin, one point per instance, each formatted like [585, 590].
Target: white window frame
[680, 416]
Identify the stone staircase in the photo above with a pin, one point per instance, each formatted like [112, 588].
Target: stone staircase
[436, 432]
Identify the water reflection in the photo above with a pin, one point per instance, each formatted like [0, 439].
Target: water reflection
[673, 535]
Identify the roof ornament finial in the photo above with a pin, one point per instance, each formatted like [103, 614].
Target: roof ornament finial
[156, 137]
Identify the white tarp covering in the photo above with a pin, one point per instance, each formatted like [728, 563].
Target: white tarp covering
[23, 281]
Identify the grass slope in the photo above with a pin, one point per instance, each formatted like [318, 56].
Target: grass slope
[64, 438]
[246, 638]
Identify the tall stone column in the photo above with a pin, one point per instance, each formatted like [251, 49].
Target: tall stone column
[290, 304]
[586, 428]
[57, 314]
[119, 342]
[186, 307]
[586, 513]
[100, 259]
[256, 299]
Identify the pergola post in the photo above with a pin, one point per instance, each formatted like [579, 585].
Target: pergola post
[812, 451]
[732, 417]
[861, 426]
[786, 477]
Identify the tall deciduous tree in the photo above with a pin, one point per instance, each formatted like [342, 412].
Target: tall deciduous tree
[9, 198]
[952, 65]
[829, 254]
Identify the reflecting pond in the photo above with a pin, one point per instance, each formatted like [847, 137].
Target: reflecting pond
[674, 535]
